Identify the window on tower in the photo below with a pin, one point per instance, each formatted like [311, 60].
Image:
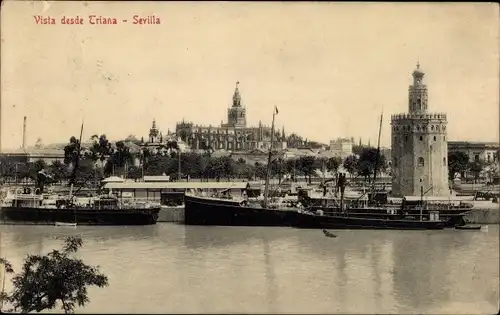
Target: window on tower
[444, 161]
[421, 138]
[420, 162]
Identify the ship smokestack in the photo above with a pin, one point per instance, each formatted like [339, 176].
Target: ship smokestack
[24, 133]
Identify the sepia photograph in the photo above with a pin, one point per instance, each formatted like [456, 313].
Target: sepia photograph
[249, 157]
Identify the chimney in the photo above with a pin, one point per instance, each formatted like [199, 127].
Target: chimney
[24, 133]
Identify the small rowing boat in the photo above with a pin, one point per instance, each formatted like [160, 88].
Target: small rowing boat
[328, 234]
[64, 224]
[468, 227]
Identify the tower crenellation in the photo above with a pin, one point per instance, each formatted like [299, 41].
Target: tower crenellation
[419, 145]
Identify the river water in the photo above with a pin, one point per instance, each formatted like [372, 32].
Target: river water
[170, 268]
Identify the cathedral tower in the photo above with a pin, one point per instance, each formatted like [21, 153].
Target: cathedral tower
[419, 146]
[237, 115]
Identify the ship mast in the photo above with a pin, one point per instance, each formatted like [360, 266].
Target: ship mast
[377, 156]
[4, 273]
[269, 158]
[73, 174]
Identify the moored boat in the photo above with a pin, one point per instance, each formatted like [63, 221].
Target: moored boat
[468, 227]
[35, 206]
[223, 211]
[101, 210]
[230, 212]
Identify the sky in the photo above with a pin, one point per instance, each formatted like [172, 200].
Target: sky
[331, 68]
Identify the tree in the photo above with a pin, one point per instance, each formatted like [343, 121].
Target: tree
[278, 168]
[101, 148]
[476, 168]
[351, 164]
[156, 165]
[260, 170]
[56, 277]
[118, 158]
[58, 170]
[35, 167]
[294, 141]
[457, 163]
[320, 164]
[71, 151]
[357, 149]
[291, 167]
[306, 166]
[333, 164]
[369, 160]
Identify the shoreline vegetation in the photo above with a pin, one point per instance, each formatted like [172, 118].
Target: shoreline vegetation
[134, 160]
[53, 280]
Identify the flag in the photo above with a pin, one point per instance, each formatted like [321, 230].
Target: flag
[276, 110]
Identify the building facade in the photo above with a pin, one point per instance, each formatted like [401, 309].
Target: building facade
[341, 147]
[234, 135]
[485, 152]
[419, 146]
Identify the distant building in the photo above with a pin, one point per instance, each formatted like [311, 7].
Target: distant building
[234, 135]
[32, 154]
[341, 147]
[156, 139]
[477, 151]
[419, 148]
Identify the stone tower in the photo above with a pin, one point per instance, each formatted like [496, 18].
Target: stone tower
[237, 115]
[419, 146]
[154, 133]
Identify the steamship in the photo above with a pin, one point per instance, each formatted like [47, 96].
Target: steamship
[201, 210]
[32, 205]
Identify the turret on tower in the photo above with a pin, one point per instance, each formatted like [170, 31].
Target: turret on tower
[153, 133]
[236, 114]
[237, 96]
[417, 93]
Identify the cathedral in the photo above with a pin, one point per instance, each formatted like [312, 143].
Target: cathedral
[234, 135]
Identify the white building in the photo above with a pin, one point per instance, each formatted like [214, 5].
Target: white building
[341, 147]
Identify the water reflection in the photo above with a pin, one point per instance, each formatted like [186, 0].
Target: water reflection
[176, 268]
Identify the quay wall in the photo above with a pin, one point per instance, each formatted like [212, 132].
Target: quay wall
[171, 214]
[484, 216]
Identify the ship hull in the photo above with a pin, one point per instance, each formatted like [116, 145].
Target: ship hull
[309, 221]
[208, 211]
[451, 217]
[81, 216]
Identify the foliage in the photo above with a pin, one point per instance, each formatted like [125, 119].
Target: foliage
[58, 170]
[260, 170]
[307, 166]
[333, 164]
[278, 168]
[71, 151]
[118, 159]
[357, 149]
[105, 158]
[351, 164]
[476, 167]
[458, 162]
[56, 277]
[368, 161]
[101, 148]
